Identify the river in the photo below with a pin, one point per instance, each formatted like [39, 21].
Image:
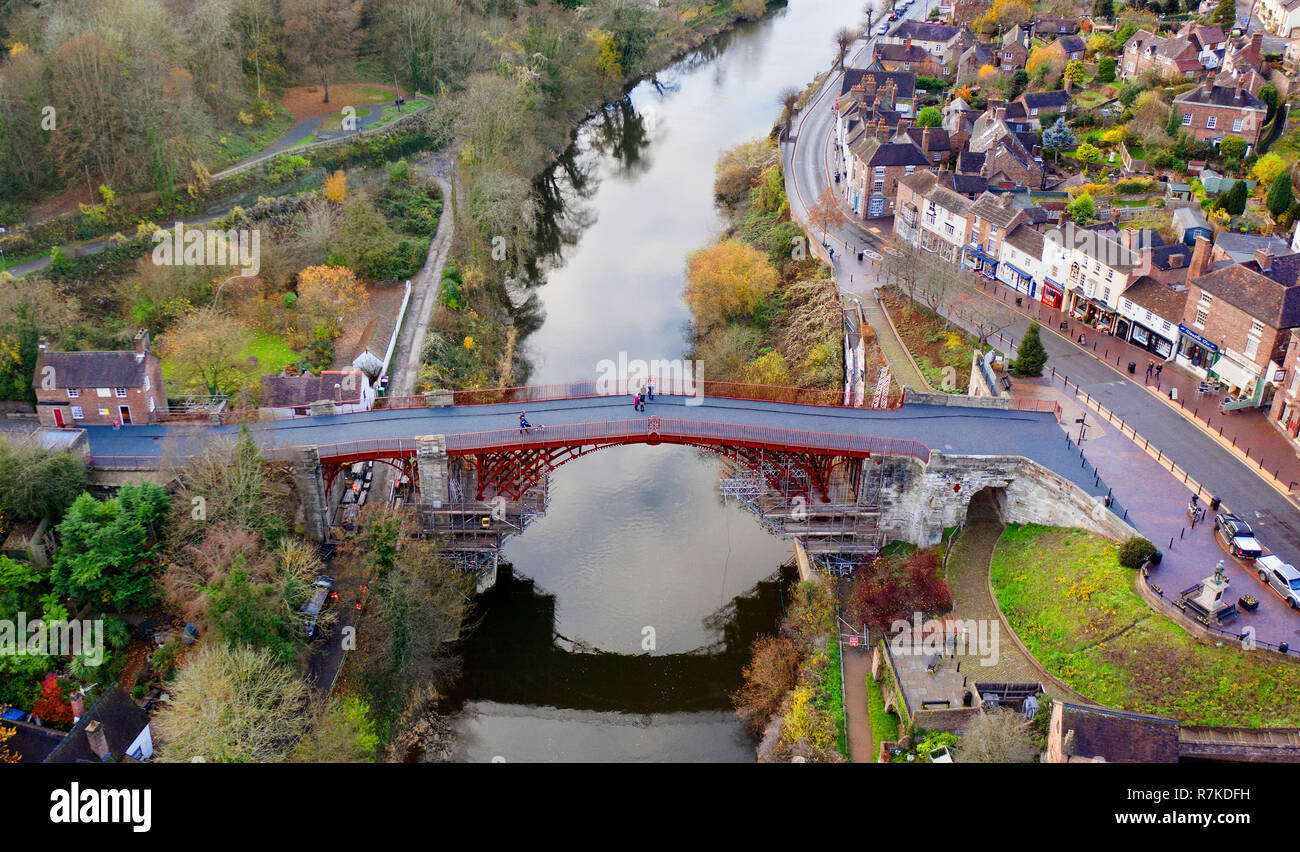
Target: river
[624, 626]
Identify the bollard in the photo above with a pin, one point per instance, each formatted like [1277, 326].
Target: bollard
[1126, 514]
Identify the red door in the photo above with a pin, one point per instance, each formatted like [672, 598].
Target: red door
[58, 417]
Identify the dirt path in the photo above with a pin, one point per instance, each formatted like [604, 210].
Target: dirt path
[857, 718]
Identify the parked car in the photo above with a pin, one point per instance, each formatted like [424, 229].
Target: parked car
[1281, 577]
[882, 29]
[893, 16]
[1237, 536]
[320, 596]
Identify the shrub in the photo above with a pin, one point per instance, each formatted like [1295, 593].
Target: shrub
[1135, 551]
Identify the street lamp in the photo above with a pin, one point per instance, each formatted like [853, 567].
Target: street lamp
[1082, 426]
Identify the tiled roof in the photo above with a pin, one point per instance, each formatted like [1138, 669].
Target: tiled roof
[970, 162]
[903, 53]
[1158, 297]
[1046, 100]
[300, 391]
[939, 140]
[925, 31]
[1221, 96]
[122, 720]
[970, 185]
[998, 209]
[1027, 240]
[1271, 297]
[1117, 736]
[904, 80]
[1072, 44]
[124, 369]
[1242, 246]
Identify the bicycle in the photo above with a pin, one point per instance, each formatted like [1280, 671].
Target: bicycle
[1196, 513]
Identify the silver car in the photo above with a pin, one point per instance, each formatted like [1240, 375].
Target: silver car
[1281, 577]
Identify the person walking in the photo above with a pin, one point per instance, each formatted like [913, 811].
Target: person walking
[1151, 368]
[636, 401]
[1159, 367]
[650, 391]
[524, 425]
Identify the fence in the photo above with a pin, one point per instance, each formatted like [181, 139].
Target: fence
[1156, 596]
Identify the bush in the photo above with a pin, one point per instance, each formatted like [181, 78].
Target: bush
[1135, 551]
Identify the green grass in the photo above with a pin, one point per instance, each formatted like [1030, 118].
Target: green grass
[1078, 613]
[245, 142]
[392, 112]
[830, 693]
[333, 122]
[271, 352]
[884, 726]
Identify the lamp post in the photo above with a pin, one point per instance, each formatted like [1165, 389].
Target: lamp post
[1083, 425]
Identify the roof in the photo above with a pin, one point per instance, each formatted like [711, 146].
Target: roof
[970, 162]
[903, 53]
[1161, 299]
[925, 31]
[1241, 247]
[125, 369]
[1056, 26]
[904, 80]
[1222, 96]
[969, 185]
[1118, 736]
[32, 743]
[1190, 218]
[1046, 100]
[1172, 256]
[938, 137]
[1208, 35]
[1072, 44]
[927, 185]
[1027, 240]
[122, 721]
[302, 391]
[1271, 297]
[998, 209]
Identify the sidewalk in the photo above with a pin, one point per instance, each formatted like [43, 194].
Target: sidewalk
[1246, 433]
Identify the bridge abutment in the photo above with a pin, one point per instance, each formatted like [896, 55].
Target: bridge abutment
[434, 466]
[310, 485]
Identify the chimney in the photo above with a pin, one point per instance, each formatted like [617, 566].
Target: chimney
[902, 126]
[1200, 258]
[1000, 113]
[142, 342]
[338, 392]
[882, 131]
[1209, 83]
[98, 739]
[925, 140]
[907, 45]
[1176, 261]
[78, 707]
[1257, 42]
[1237, 95]
[1069, 84]
[1264, 258]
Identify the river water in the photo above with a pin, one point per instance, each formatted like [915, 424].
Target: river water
[632, 604]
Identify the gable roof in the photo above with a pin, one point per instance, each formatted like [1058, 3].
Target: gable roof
[1241, 247]
[1027, 240]
[939, 139]
[903, 53]
[1233, 97]
[905, 81]
[996, 208]
[1046, 100]
[1071, 44]
[124, 369]
[122, 720]
[925, 31]
[1056, 26]
[302, 391]
[1163, 300]
[1269, 296]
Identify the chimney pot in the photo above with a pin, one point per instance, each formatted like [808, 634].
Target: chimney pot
[1264, 258]
[1200, 258]
[98, 739]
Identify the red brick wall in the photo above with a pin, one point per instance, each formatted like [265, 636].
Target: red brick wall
[1225, 116]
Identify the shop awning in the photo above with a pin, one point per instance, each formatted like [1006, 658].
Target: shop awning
[1231, 372]
[981, 255]
[1019, 271]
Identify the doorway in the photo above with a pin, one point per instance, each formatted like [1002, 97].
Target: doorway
[124, 414]
[58, 418]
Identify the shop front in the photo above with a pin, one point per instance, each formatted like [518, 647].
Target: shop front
[1149, 340]
[973, 257]
[1018, 279]
[1195, 352]
[1091, 311]
[1052, 295]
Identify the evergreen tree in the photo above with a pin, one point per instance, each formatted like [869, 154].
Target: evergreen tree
[1174, 125]
[1103, 9]
[1058, 137]
[1032, 356]
[1280, 197]
[1225, 13]
[1234, 200]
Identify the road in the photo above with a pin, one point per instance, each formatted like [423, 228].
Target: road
[810, 166]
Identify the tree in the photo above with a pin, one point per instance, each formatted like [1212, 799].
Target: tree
[997, 736]
[789, 100]
[328, 296]
[319, 35]
[205, 350]
[259, 31]
[772, 672]
[336, 187]
[1267, 168]
[726, 282]
[1224, 14]
[231, 705]
[844, 38]
[1083, 210]
[1233, 201]
[1074, 72]
[106, 551]
[1174, 125]
[1103, 9]
[1031, 356]
[342, 732]
[36, 483]
[1280, 195]
[1269, 95]
[929, 117]
[52, 706]
[1232, 147]
[1058, 137]
[1134, 551]
[826, 213]
[1106, 69]
[1088, 153]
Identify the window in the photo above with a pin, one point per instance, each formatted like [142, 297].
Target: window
[77, 413]
[1202, 316]
[103, 392]
[1105, 295]
[1236, 125]
[907, 170]
[877, 187]
[947, 229]
[120, 393]
[151, 404]
[146, 381]
[1206, 298]
[993, 230]
[1211, 121]
[1252, 347]
[936, 157]
[1257, 328]
[1187, 119]
[880, 171]
[73, 393]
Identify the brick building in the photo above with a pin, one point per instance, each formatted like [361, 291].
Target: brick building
[1285, 411]
[1237, 320]
[877, 160]
[908, 57]
[1211, 112]
[931, 216]
[99, 388]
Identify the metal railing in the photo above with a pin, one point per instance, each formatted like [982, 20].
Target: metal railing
[676, 387]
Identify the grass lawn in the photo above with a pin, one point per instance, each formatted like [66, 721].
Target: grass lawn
[1077, 612]
[1088, 98]
[271, 352]
[391, 112]
[884, 726]
[247, 141]
[934, 342]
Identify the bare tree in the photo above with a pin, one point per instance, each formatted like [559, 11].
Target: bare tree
[985, 321]
[871, 14]
[320, 34]
[826, 213]
[998, 736]
[789, 100]
[844, 38]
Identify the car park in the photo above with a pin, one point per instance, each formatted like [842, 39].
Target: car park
[1236, 535]
[1281, 577]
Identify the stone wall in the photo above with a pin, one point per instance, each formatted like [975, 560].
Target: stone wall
[919, 501]
[919, 398]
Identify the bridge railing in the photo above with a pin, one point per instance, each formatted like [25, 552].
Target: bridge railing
[684, 431]
[705, 388]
